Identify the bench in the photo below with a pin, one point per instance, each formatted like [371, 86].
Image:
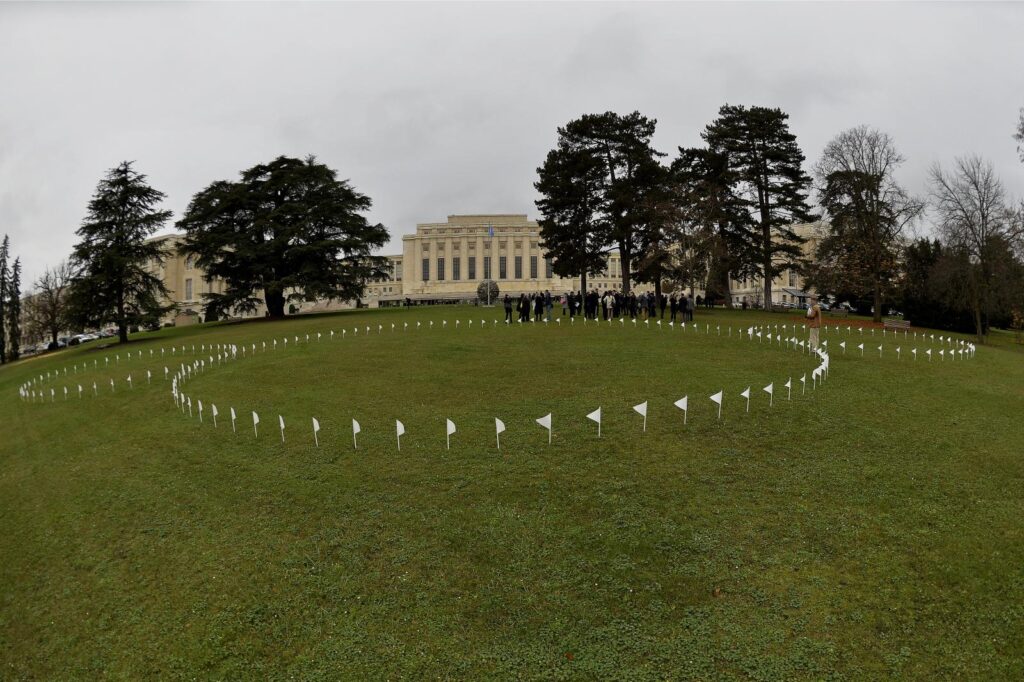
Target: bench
[838, 312]
[896, 325]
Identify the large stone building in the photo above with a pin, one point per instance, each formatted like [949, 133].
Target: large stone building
[446, 262]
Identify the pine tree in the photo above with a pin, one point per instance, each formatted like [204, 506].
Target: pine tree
[618, 149]
[289, 228]
[766, 169]
[572, 229]
[5, 247]
[114, 283]
[14, 311]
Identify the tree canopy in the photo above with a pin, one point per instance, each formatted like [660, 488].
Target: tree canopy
[765, 168]
[114, 258]
[288, 228]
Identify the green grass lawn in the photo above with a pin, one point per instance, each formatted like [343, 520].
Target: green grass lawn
[871, 528]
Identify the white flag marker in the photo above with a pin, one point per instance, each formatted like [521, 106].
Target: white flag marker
[860, 347]
[255, 421]
[449, 430]
[770, 390]
[200, 403]
[789, 388]
[499, 428]
[399, 431]
[718, 399]
[545, 421]
[803, 384]
[213, 411]
[233, 416]
[595, 416]
[842, 344]
[316, 429]
[355, 430]
[746, 394]
[641, 409]
[280, 420]
[682, 405]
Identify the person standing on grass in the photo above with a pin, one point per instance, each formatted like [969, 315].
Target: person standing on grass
[508, 309]
[672, 308]
[814, 321]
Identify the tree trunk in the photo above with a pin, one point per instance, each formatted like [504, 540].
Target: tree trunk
[624, 263]
[878, 301]
[766, 245]
[275, 303]
[583, 282]
[122, 321]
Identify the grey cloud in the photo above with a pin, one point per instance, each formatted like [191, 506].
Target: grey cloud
[434, 109]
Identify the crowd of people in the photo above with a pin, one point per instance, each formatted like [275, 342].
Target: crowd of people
[606, 306]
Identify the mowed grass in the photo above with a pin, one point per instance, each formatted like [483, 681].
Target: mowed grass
[871, 528]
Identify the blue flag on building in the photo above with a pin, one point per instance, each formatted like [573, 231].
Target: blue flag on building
[490, 230]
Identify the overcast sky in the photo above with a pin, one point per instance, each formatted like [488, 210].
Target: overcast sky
[435, 109]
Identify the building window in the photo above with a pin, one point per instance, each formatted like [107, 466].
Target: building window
[426, 269]
[792, 278]
[398, 272]
[440, 269]
[549, 269]
[188, 289]
[519, 267]
[533, 267]
[487, 267]
[472, 267]
[456, 268]
[189, 262]
[502, 267]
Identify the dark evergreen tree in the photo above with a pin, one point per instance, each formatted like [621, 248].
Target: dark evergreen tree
[573, 228]
[618, 208]
[288, 228]
[14, 312]
[719, 224]
[5, 250]
[766, 170]
[114, 282]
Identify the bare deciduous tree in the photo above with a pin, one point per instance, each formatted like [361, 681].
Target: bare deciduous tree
[869, 209]
[974, 215]
[48, 306]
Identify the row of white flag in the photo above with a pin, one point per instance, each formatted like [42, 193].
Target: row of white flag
[965, 347]
[185, 403]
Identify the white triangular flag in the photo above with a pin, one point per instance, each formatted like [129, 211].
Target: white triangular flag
[449, 430]
[641, 409]
[717, 397]
[682, 405]
[255, 421]
[213, 411]
[595, 416]
[746, 394]
[399, 432]
[280, 419]
[355, 430]
[545, 421]
[233, 416]
[316, 430]
[789, 388]
[770, 390]
[499, 428]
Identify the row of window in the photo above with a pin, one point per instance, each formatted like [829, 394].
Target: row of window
[440, 275]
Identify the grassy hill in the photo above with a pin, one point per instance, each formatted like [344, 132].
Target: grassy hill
[869, 528]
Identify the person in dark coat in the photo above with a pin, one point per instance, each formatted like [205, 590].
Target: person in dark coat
[672, 307]
[663, 304]
[538, 308]
[508, 308]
